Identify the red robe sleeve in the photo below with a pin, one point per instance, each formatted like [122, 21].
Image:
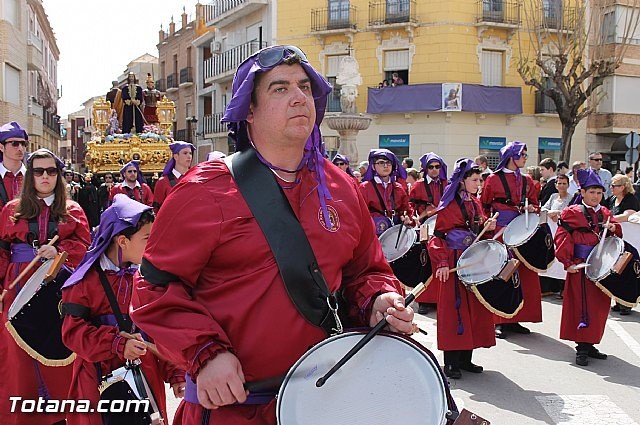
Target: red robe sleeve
[5, 235]
[161, 190]
[75, 236]
[147, 194]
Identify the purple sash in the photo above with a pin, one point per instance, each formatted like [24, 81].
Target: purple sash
[191, 394]
[459, 239]
[506, 216]
[582, 251]
[382, 223]
[22, 253]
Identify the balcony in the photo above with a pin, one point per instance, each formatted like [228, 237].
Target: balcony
[51, 121]
[337, 20]
[221, 13]
[544, 104]
[499, 13]
[186, 77]
[172, 82]
[391, 13]
[556, 18]
[34, 52]
[222, 66]
[212, 126]
[161, 85]
[182, 135]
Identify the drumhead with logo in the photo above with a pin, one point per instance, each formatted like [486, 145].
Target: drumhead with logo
[390, 381]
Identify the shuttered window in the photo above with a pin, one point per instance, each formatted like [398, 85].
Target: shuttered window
[333, 65]
[492, 67]
[11, 84]
[395, 60]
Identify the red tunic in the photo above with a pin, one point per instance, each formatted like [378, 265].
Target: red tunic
[147, 194]
[17, 367]
[476, 320]
[399, 204]
[597, 303]
[161, 190]
[102, 344]
[12, 185]
[230, 294]
[491, 191]
[420, 202]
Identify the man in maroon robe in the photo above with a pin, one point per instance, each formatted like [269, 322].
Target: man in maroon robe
[133, 184]
[13, 141]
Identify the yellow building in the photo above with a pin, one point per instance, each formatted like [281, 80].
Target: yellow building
[468, 49]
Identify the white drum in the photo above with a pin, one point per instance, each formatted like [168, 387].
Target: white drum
[30, 288]
[397, 241]
[390, 381]
[482, 262]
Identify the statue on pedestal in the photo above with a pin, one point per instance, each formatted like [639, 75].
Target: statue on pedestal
[132, 119]
[349, 78]
[151, 98]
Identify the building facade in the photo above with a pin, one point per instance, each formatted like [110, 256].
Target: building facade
[29, 59]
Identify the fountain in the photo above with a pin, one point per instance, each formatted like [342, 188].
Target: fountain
[348, 122]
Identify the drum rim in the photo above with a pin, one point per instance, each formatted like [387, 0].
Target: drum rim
[435, 366]
[537, 218]
[483, 242]
[620, 243]
[45, 267]
[413, 236]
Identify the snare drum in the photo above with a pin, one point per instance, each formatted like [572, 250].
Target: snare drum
[410, 260]
[482, 262]
[532, 244]
[616, 270]
[34, 319]
[366, 388]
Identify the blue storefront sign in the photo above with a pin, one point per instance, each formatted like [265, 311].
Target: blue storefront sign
[492, 143]
[550, 143]
[393, 140]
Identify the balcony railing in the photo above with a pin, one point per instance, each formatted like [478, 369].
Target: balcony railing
[553, 16]
[172, 81]
[211, 124]
[499, 11]
[181, 135]
[392, 12]
[216, 11]
[341, 17]
[51, 121]
[186, 75]
[161, 84]
[35, 41]
[544, 104]
[230, 59]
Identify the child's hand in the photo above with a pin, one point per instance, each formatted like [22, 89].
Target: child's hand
[134, 348]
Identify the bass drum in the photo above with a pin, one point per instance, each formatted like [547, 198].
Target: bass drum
[391, 370]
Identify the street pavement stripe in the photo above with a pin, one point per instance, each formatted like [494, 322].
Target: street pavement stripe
[584, 410]
[624, 336]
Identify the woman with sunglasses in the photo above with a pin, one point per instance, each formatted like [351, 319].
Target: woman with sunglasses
[27, 224]
[13, 141]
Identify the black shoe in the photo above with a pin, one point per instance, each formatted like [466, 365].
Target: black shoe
[452, 372]
[423, 308]
[500, 332]
[624, 311]
[616, 307]
[594, 353]
[473, 368]
[582, 359]
[519, 329]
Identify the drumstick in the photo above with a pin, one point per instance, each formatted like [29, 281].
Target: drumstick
[526, 213]
[401, 230]
[498, 234]
[604, 235]
[368, 337]
[486, 226]
[26, 269]
[150, 345]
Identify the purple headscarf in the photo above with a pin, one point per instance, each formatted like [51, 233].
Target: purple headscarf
[340, 157]
[123, 213]
[431, 157]
[397, 170]
[512, 150]
[237, 110]
[133, 163]
[461, 167]
[175, 147]
[589, 178]
[58, 161]
[12, 130]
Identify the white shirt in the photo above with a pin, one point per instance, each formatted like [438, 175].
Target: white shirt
[107, 264]
[4, 170]
[596, 208]
[377, 179]
[175, 173]
[126, 183]
[49, 199]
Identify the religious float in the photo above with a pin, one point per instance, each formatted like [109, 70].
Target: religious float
[110, 147]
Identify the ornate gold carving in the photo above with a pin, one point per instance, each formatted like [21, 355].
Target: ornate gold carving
[101, 114]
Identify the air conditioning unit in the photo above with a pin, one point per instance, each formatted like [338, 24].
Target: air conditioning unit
[216, 47]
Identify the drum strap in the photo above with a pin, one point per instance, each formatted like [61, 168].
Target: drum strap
[172, 179]
[3, 192]
[471, 225]
[34, 230]
[384, 205]
[507, 191]
[599, 225]
[427, 187]
[76, 310]
[124, 322]
[291, 249]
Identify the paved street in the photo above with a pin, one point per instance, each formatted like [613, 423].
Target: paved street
[532, 379]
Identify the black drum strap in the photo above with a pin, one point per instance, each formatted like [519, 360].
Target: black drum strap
[172, 179]
[34, 230]
[595, 227]
[507, 191]
[3, 192]
[471, 225]
[384, 205]
[427, 187]
[124, 323]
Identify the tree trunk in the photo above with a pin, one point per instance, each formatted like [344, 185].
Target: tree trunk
[567, 134]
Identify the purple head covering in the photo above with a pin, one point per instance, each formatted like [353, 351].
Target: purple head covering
[133, 163]
[396, 166]
[215, 155]
[12, 130]
[589, 178]
[238, 109]
[462, 166]
[175, 148]
[123, 213]
[431, 157]
[58, 161]
[512, 150]
[343, 158]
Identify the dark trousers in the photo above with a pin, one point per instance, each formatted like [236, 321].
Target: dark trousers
[457, 358]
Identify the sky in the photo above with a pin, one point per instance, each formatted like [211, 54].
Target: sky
[97, 39]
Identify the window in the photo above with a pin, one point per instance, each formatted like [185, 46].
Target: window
[552, 11]
[492, 10]
[11, 84]
[492, 66]
[10, 11]
[609, 27]
[338, 14]
[396, 61]
[397, 11]
[333, 66]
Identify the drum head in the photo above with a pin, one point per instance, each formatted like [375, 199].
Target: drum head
[389, 381]
[517, 232]
[431, 224]
[481, 262]
[389, 239]
[29, 289]
[600, 265]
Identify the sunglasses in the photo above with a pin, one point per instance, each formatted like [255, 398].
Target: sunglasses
[274, 55]
[340, 163]
[132, 171]
[595, 159]
[16, 143]
[39, 171]
[383, 163]
[524, 155]
[433, 167]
